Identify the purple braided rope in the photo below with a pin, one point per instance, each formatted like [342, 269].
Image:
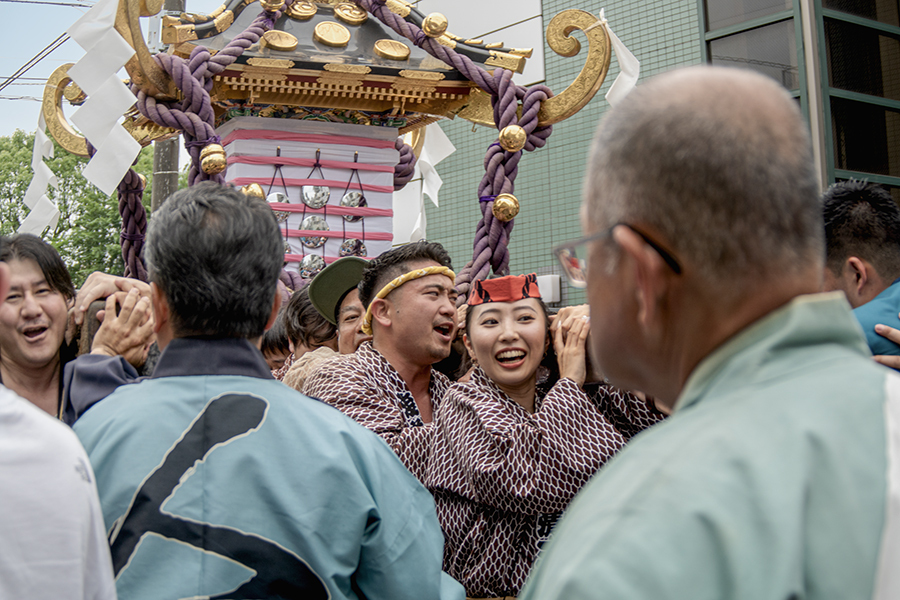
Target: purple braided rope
[134, 221]
[405, 169]
[194, 115]
[491, 246]
[134, 224]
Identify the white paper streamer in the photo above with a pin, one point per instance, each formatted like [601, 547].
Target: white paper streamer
[629, 65]
[108, 97]
[43, 214]
[409, 203]
[112, 160]
[43, 211]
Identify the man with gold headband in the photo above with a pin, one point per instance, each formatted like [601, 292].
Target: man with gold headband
[388, 384]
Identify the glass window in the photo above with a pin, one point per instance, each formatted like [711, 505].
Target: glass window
[885, 11]
[722, 13]
[771, 50]
[866, 137]
[861, 60]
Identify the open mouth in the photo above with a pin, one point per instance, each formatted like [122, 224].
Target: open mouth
[444, 330]
[33, 332]
[510, 356]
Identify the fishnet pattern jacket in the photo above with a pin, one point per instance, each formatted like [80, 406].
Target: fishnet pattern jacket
[501, 477]
[365, 387]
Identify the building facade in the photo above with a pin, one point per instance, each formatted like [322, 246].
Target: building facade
[839, 58]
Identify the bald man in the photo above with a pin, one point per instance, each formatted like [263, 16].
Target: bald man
[773, 477]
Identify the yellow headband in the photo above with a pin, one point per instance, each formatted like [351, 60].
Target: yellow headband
[367, 321]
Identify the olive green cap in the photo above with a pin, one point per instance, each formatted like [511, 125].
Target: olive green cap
[328, 289]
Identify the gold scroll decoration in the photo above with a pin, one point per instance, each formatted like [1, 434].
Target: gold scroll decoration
[59, 84]
[143, 69]
[587, 84]
[57, 125]
[581, 91]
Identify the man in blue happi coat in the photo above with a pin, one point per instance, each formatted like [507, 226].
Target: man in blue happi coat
[217, 481]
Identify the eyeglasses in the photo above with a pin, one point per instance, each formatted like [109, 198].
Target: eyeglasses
[573, 256]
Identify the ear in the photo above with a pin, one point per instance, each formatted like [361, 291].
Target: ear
[469, 349]
[276, 306]
[160, 307]
[4, 281]
[650, 274]
[162, 325]
[381, 312]
[857, 273]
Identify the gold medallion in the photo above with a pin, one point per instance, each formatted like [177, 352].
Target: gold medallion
[350, 13]
[280, 40]
[392, 49]
[301, 10]
[331, 34]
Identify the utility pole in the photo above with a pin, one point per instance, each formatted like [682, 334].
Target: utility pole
[165, 153]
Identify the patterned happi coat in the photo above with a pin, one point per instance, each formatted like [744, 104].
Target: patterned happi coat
[501, 477]
[365, 387]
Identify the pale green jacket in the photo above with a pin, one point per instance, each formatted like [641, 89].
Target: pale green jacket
[769, 481]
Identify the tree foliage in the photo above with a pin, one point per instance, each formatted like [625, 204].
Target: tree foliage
[87, 234]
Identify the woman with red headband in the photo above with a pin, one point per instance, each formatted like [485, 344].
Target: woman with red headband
[509, 454]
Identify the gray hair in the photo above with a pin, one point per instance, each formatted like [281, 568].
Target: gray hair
[216, 255]
[719, 162]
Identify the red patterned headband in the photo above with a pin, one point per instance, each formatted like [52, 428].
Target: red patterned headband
[504, 289]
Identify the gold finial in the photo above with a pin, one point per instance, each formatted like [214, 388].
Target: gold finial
[212, 159]
[271, 5]
[434, 25]
[143, 180]
[506, 207]
[512, 138]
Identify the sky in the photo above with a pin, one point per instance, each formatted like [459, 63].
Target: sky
[27, 27]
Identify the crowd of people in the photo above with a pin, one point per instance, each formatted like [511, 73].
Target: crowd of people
[716, 408]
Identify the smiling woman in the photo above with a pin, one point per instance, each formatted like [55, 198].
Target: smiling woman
[509, 454]
[33, 318]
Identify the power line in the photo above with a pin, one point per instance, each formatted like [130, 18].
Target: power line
[36, 59]
[21, 98]
[74, 4]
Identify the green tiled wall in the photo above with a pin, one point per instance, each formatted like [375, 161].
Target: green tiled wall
[662, 34]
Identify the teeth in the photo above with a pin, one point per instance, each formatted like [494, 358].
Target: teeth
[510, 355]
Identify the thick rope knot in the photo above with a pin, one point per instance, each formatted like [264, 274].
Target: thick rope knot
[194, 115]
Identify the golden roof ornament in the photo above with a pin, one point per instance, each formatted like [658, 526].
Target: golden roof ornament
[332, 34]
[392, 50]
[280, 40]
[301, 10]
[350, 13]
